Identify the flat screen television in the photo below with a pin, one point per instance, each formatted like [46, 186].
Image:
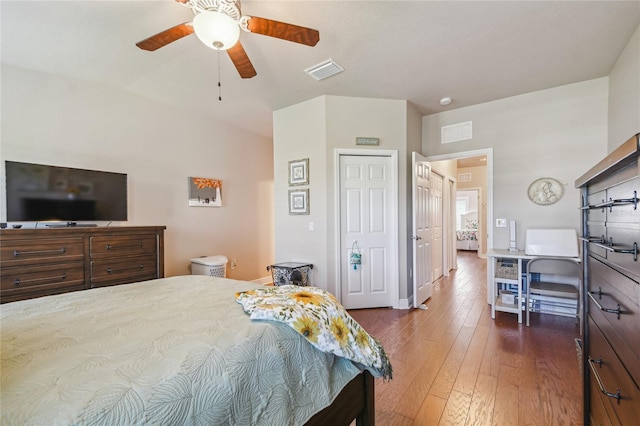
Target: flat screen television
[38, 192]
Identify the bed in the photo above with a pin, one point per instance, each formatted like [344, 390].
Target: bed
[467, 236]
[171, 351]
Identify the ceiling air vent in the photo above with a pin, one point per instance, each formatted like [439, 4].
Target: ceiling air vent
[324, 69]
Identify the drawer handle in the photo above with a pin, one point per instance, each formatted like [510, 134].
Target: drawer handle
[598, 240]
[618, 202]
[110, 270]
[599, 380]
[17, 253]
[18, 281]
[114, 247]
[617, 311]
[609, 246]
[633, 250]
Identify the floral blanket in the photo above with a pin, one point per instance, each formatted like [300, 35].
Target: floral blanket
[467, 234]
[318, 316]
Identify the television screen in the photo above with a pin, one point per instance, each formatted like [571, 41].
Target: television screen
[37, 192]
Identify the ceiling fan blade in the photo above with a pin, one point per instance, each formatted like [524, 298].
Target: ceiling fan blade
[283, 31]
[165, 37]
[241, 61]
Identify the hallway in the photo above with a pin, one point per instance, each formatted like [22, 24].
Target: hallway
[454, 365]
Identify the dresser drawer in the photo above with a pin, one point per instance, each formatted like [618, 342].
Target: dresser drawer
[609, 289]
[126, 245]
[624, 237]
[38, 251]
[21, 282]
[123, 270]
[611, 377]
[597, 215]
[625, 211]
[599, 232]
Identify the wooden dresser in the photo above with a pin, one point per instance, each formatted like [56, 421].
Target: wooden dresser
[40, 262]
[611, 294]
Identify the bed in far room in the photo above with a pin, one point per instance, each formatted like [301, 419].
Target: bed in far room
[467, 235]
[172, 351]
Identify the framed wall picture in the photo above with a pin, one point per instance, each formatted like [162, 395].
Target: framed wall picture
[205, 192]
[545, 191]
[299, 201]
[299, 172]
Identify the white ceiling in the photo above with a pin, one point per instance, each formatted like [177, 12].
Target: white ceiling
[421, 51]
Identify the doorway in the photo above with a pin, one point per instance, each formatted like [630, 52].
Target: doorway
[468, 219]
[467, 162]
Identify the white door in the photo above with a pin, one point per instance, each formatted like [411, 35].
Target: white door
[451, 229]
[436, 225]
[366, 221]
[422, 282]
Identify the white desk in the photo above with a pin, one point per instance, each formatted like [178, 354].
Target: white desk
[497, 281]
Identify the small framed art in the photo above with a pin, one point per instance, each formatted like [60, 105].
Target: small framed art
[299, 172]
[298, 201]
[205, 192]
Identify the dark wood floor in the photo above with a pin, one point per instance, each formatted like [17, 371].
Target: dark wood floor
[454, 365]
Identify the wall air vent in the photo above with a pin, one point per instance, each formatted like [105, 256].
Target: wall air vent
[456, 132]
[324, 69]
[464, 177]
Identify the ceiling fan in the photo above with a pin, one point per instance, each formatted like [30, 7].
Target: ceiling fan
[217, 23]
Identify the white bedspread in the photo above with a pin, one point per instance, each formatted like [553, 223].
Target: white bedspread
[172, 351]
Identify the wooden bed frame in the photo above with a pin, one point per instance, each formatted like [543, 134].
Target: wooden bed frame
[355, 401]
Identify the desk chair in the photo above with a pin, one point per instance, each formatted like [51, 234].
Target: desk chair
[553, 286]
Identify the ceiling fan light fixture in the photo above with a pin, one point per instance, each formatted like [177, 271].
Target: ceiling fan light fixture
[216, 30]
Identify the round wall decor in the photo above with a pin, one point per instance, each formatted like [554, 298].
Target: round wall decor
[545, 191]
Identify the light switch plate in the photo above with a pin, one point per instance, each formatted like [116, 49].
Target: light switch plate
[501, 223]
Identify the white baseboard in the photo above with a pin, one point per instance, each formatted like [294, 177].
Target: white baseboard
[405, 303]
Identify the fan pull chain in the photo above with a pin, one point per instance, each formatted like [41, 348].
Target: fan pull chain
[219, 84]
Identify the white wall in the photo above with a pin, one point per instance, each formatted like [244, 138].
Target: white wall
[414, 144]
[314, 129]
[51, 120]
[386, 119]
[300, 132]
[558, 133]
[624, 95]
[472, 200]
